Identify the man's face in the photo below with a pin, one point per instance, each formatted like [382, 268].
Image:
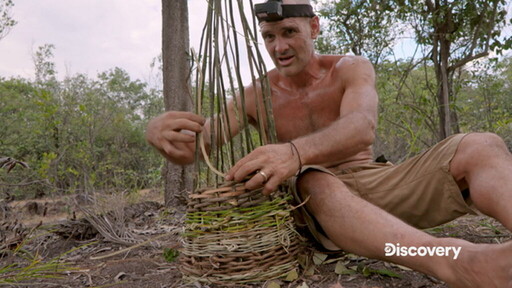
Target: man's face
[290, 43]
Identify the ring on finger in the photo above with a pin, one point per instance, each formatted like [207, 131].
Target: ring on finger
[265, 176]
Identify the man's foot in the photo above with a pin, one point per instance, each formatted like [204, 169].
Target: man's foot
[481, 266]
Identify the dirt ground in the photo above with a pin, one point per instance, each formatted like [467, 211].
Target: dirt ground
[55, 232]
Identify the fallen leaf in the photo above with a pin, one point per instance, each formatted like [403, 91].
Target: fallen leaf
[341, 269]
[366, 271]
[310, 271]
[303, 285]
[336, 260]
[337, 285]
[292, 276]
[354, 257]
[303, 261]
[273, 284]
[319, 258]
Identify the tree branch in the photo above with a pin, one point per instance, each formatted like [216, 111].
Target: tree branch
[467, 60]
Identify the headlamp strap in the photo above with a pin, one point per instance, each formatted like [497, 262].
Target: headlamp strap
[297, 10]
[276, 11]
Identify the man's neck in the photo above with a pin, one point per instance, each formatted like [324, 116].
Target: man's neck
[309, 75]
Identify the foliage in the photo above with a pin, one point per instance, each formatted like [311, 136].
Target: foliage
[366, 28]
[456, 33]
[78, 134]
[472, 26]
[170, 254]
[45, 68]
[485, 98]
[408, 113]
[6, 21]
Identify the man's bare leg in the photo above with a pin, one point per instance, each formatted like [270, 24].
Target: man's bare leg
[484, 164]
[358, 226]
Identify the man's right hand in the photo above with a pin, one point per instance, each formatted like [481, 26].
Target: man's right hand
[173, 135]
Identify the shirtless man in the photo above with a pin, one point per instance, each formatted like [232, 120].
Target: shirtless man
[325, 110]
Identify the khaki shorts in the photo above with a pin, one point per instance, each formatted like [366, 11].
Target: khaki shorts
[420, 191]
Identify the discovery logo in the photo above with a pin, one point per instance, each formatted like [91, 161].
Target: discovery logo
[391, 249]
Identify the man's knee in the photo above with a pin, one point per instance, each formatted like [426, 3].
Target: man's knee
[318, 184]
[482, 144]
[306, 183]
[475, 150]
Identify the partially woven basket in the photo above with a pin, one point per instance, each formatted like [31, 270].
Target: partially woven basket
[235, 236]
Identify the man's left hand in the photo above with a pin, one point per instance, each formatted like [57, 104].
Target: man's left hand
[268, 166]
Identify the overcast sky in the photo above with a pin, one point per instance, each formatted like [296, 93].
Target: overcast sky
[90, 36]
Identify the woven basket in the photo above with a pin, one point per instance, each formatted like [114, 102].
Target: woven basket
[234, 236]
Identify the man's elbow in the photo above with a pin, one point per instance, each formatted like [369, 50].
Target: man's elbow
[366, 139]
[368, 136]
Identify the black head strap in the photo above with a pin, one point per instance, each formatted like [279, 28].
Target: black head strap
[274, 10]
[297, 10]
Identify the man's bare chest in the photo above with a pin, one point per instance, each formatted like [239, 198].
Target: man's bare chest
[302, 114]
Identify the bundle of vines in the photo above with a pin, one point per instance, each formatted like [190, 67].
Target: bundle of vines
[236, 236]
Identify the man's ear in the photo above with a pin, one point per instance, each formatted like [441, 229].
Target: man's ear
[315, 27]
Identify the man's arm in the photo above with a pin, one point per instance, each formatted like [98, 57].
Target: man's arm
[352, 133]
[173, 133]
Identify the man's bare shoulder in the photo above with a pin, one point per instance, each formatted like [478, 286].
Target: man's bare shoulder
[351, 68]
[351, 61]
[346, 65]
[331, 59]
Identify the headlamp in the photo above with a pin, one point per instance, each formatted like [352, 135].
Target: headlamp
[275, 10]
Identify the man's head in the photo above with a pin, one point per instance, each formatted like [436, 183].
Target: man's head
[290, 40]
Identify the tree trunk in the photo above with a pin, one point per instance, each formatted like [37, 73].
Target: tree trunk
[454, 117]
[175, 47]
[443, 27]
[444, 97]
